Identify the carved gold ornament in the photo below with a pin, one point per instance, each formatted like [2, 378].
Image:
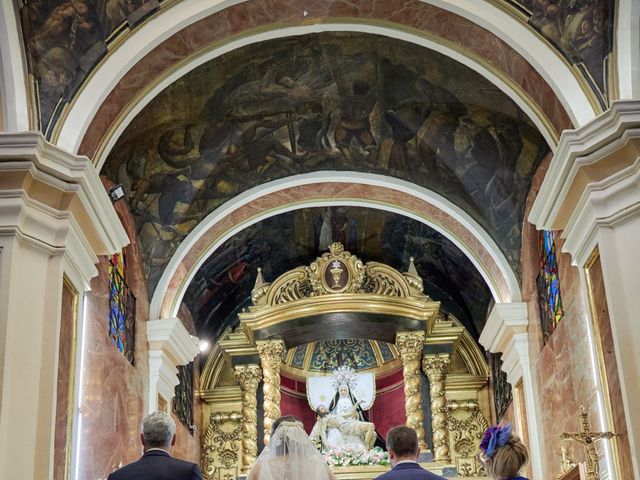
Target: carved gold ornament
[220, 444]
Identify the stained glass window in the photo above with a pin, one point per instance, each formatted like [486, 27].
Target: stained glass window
[183, 400]
[122, 308]
[548, 283]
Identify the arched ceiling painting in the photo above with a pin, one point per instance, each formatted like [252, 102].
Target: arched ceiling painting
[332, 101]
[66, 39]
[222, 286]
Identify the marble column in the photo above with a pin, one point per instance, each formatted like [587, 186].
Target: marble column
[410, 347]
[55, 218]
[592, 193]
[270, 352]
[248, 377]
[435, 368]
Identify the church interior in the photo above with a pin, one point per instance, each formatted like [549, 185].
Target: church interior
[422, 211]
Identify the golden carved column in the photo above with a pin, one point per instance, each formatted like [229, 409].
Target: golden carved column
[249, 376]
[435, 367]
[270, 352]
[410, 347]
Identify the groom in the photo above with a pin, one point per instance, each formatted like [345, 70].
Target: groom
[402, 443]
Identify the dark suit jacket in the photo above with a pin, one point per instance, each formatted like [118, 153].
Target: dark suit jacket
[158, 465]
[409, 471]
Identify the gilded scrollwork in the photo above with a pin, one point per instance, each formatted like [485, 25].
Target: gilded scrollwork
[249, 376]
[466, 424]
[410, 347]
[220, 444]
[337, 271]
[270, 352]
[435, 368]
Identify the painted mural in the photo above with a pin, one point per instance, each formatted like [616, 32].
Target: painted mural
[66, 38]
[222, 286]
[582, 30]
[324, 102]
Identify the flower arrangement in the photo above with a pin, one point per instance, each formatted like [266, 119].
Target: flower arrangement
[345, 457]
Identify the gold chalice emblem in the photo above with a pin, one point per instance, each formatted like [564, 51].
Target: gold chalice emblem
[336, 273]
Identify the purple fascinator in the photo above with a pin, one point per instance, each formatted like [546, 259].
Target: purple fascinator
[495, 437]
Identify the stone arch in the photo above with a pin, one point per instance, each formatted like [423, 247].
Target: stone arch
[325, 189]
[157, 50]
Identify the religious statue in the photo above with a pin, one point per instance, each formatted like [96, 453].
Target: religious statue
[343, 423]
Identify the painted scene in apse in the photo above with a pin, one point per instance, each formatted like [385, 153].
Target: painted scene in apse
[222, 286]
[582, 30]
[332, 101]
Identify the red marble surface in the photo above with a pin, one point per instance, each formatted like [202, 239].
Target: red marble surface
[407, 15]
[333, 191]
[63, 392]
[601, 316]
[113, 399]
[563, 366]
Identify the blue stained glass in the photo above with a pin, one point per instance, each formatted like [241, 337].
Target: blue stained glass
[121, 308]
[548, 283]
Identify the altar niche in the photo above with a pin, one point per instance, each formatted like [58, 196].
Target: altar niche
[351, 353]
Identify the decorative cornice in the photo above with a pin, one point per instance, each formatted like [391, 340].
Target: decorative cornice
[577, 151]
[505, 321]
[62, 184]
[171, 338]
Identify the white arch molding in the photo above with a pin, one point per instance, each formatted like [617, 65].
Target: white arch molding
[327, 177]
[141, 41]
[13, 73]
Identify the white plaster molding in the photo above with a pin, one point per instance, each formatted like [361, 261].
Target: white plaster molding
[506, 332]
[579, 148]
[13, 71]
[543, 58]
[603, 204]
[336, 177]
[107, 75]
[628, 45]
[170, 345]
[29, 151]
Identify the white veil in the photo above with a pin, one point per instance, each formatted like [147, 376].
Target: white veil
[291, 456]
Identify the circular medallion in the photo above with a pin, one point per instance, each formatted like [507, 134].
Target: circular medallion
[336, 275]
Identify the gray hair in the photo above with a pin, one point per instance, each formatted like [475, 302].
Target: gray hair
[158, 429]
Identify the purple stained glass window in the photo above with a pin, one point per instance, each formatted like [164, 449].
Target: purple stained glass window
[121, 308]
[549, 299]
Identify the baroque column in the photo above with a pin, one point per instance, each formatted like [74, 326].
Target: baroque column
[410, 347]
[270, 352]
[435, 368]
[249, 376]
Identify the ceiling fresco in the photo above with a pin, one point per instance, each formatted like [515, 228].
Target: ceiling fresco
[222, 286]
[324, 102]
[66, 39]
[582, 30]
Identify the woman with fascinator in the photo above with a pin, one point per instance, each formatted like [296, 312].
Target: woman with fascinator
[290, 455]
[503, 455]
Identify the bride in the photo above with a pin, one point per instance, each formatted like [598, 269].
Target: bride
[290, 455]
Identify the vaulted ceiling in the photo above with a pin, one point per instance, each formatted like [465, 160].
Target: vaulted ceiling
[357, 102]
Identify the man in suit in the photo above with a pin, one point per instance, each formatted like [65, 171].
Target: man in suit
[158, 436]
[402, 443]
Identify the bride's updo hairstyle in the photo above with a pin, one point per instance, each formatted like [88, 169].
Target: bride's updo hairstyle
[504, 454]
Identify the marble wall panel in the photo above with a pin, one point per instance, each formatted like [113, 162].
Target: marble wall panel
[562, 367]
[605, 335]
[114, 391]
[65, 388]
